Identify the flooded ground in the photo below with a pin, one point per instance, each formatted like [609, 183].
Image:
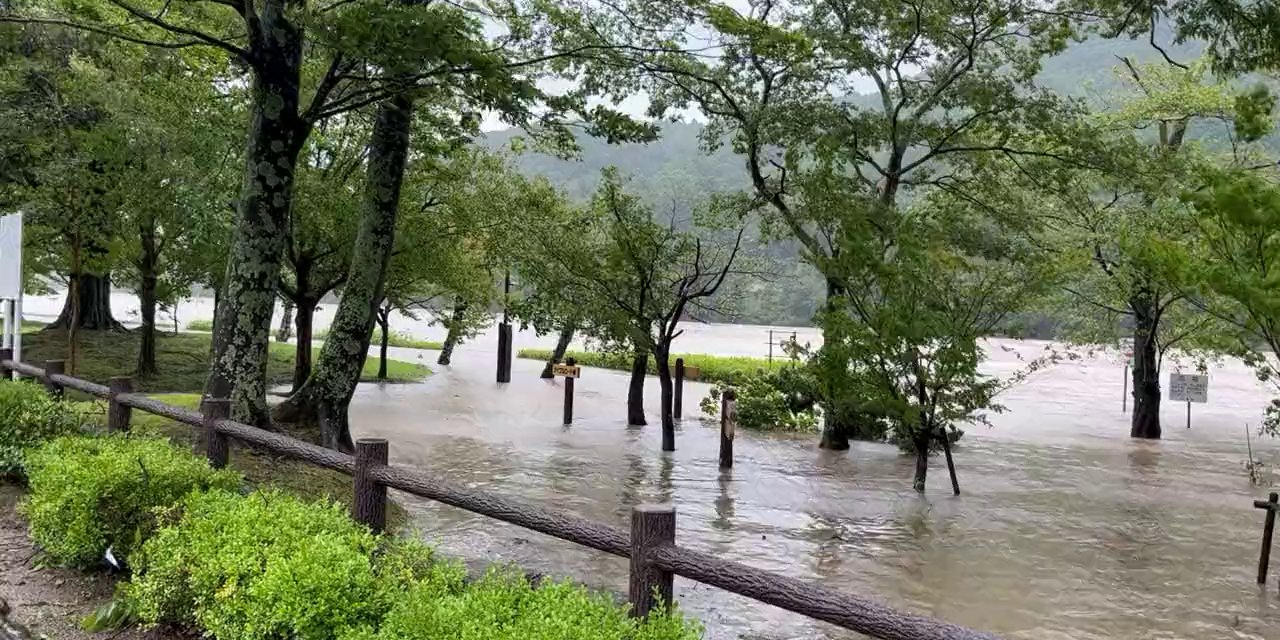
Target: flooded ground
[1067, 528]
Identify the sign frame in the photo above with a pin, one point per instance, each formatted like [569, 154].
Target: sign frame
[1189, 387]
[566, 370]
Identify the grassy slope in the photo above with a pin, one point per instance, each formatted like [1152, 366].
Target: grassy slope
[726, 369]
[398, 339]
[183, 359]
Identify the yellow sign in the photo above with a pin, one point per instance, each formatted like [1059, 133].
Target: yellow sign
[566, 371]
[692, 373]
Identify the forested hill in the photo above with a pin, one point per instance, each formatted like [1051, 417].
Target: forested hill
[675, 168]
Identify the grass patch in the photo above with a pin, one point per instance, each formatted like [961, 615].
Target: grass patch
[183, 359]
[259, 468]
[397, 339]
[723, 369]
[200, 325]
[32, 326]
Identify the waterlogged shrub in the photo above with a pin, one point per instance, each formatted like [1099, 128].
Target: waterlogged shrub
[503, 606]
[88, 494]
[773, 401]
[29, 416]
[714, 369]
[267, 566]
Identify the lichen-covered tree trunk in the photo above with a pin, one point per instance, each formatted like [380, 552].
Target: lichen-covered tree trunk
[148, 280]
[562, 346]
[94, 311]
[635, 392]
[286, 322]
[455, 333]
[1146, 367]
[384, 338]
[327, 393]
[242, 325]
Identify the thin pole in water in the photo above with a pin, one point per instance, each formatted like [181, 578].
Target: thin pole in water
[1124, 399]
[1188, 414]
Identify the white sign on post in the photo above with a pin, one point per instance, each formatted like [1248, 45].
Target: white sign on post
[1184, 387]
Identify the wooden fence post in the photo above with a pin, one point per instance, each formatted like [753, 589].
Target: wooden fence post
[217, 448]
[1264, 558]
[652, 525]
[677, 400]
[118, 415]
[568, 393]
[504, 352]
[369, 505]
[52, 367]
[728, 426]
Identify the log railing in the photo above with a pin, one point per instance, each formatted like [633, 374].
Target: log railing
[650, 546]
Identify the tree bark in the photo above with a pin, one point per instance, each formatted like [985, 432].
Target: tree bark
[94, 312]
[635, 393]
[304, 327]
[384, 324]
[562, 346]
[455, 334]
[835, 426]
[1145, 422]
[286, 321]
[922, 460]
[242, 326]
[662, 357]
[327, 393]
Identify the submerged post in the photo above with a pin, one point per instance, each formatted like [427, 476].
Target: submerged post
[1124, 397]
[728, 426]
[369, 506]
[504, 352]
[677, 394]
[951, 465]
[568, 393]
[1264, 557]
[652, 526]
[54, 367]
[216, 446]
[118, 414]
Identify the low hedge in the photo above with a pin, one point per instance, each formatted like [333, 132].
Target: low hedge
[29, 417]
[91, 493]
[714, 369]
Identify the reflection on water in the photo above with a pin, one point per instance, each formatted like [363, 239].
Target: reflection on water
[1067, 529]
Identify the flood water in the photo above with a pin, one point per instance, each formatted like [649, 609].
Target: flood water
[1066, 528]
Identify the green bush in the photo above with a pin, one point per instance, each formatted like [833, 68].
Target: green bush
[504, 606]
[767, 401]
[263, 566]
[200, 325]
[714, 369]
[29, 416]
[88, 494]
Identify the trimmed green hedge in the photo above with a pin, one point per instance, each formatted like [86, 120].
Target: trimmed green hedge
[726, 369]
[29, 417]
[88, 494]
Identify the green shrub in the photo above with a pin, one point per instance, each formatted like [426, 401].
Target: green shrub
[29, 416]
[503, 606]
[263, 566]
[781, 400]
[200, 325]
[88, 494]
[714, 369]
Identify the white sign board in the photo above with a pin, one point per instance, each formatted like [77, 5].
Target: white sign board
[1185, 387]
[11, 256]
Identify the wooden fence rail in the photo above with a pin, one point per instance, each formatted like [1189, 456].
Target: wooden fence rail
[649, 545]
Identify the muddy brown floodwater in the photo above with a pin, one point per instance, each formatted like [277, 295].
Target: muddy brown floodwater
[1066, 528]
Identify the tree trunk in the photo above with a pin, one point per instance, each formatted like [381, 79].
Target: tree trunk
[662, 356]
[94, 312]
[286, 321]
[455, 334]
[242, 326]
[922, 460]
[384, 324]
[835, 424]
[1146, 366]
[562, 346]
[148, 279]
[304, 323]
[327, 393]
[635, 393]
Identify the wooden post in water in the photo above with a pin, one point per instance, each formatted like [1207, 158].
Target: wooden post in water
[677, 395]
[118, 415]
[504, 352]
[1124, 399]
[370, 503]
[1188, 414]
[652, 525]
[568, 393]
[216, 446]
[728, 426]
[54, 367]
[1264, 557]
[951, 465]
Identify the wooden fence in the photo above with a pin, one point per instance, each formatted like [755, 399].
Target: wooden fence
[655, 558]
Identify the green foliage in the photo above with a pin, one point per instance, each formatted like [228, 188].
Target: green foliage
[88, 494]
[257, 567]
[714, 369]
[770, 401]
[200, 325]
[504, 606]
[29, 417]
[397, 339]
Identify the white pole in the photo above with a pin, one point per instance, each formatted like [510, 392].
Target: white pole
[17, 329]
